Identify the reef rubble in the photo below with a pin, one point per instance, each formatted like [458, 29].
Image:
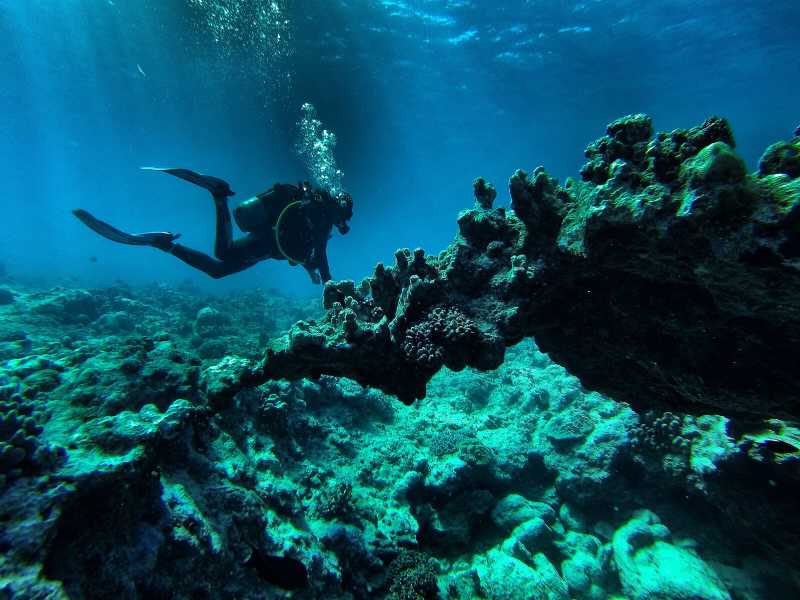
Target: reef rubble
[668, 277]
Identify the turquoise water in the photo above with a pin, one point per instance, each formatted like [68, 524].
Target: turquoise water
[127, 470]
[423, 96]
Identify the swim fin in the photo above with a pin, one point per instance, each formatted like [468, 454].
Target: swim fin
[215, 185]
[159, 239]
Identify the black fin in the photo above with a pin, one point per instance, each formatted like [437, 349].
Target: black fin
[215, 185]
[115, 235]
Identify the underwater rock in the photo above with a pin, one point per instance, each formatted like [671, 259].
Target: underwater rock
[586, 572]
[143, 506]
[651, 567]
[354, 554]
[503, 577]
[127, 430]
[210, 349]
[119, 322]
[218, 378]
[67, 306]
[569, 428]
[781, 157]
[669, 279]
[598, 432]
[129, 374]
[527, 538]
[6, 296]
[15, 345]
[716, 164]
[399, 526]
[209, 323]
[448, 526]
[514, 510]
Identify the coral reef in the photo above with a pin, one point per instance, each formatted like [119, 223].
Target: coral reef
[669, 279]
[651, 567]
[21, 450]
[513, 483]
[148, 450]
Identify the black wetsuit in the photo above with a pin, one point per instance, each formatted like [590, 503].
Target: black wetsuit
[303, 235]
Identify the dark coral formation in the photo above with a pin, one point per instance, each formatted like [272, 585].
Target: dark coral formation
[446, 333]
[661, 433]
[22, 451]
[669, 278]
[412, 576]
[670, 150]
[425, 332]
[485, 193]
[781, 158]
[625, 141]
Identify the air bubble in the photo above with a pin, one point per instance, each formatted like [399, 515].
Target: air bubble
[315, 147]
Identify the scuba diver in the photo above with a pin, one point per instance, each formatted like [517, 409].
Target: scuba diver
[286, 222]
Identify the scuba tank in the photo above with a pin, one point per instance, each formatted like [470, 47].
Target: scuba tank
[279, 213]
[251, 215]
[259, 213]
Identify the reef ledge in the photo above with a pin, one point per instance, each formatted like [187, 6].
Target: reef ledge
[668, 277]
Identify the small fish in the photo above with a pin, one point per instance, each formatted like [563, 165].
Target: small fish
[797, 131]
[93, 259]
[141, 70]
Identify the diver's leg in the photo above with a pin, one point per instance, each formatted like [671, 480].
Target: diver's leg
[206, 264]
[224, 239]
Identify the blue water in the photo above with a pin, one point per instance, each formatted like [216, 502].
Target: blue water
[424, 95]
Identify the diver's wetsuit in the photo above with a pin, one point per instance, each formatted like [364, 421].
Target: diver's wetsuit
[286, 222]
[304, 237]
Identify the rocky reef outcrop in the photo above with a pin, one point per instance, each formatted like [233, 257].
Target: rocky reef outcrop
[147, 451]
[668, 278]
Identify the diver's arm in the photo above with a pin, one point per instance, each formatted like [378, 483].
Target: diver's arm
[312, 273]
[318, 261]
[321, 256]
